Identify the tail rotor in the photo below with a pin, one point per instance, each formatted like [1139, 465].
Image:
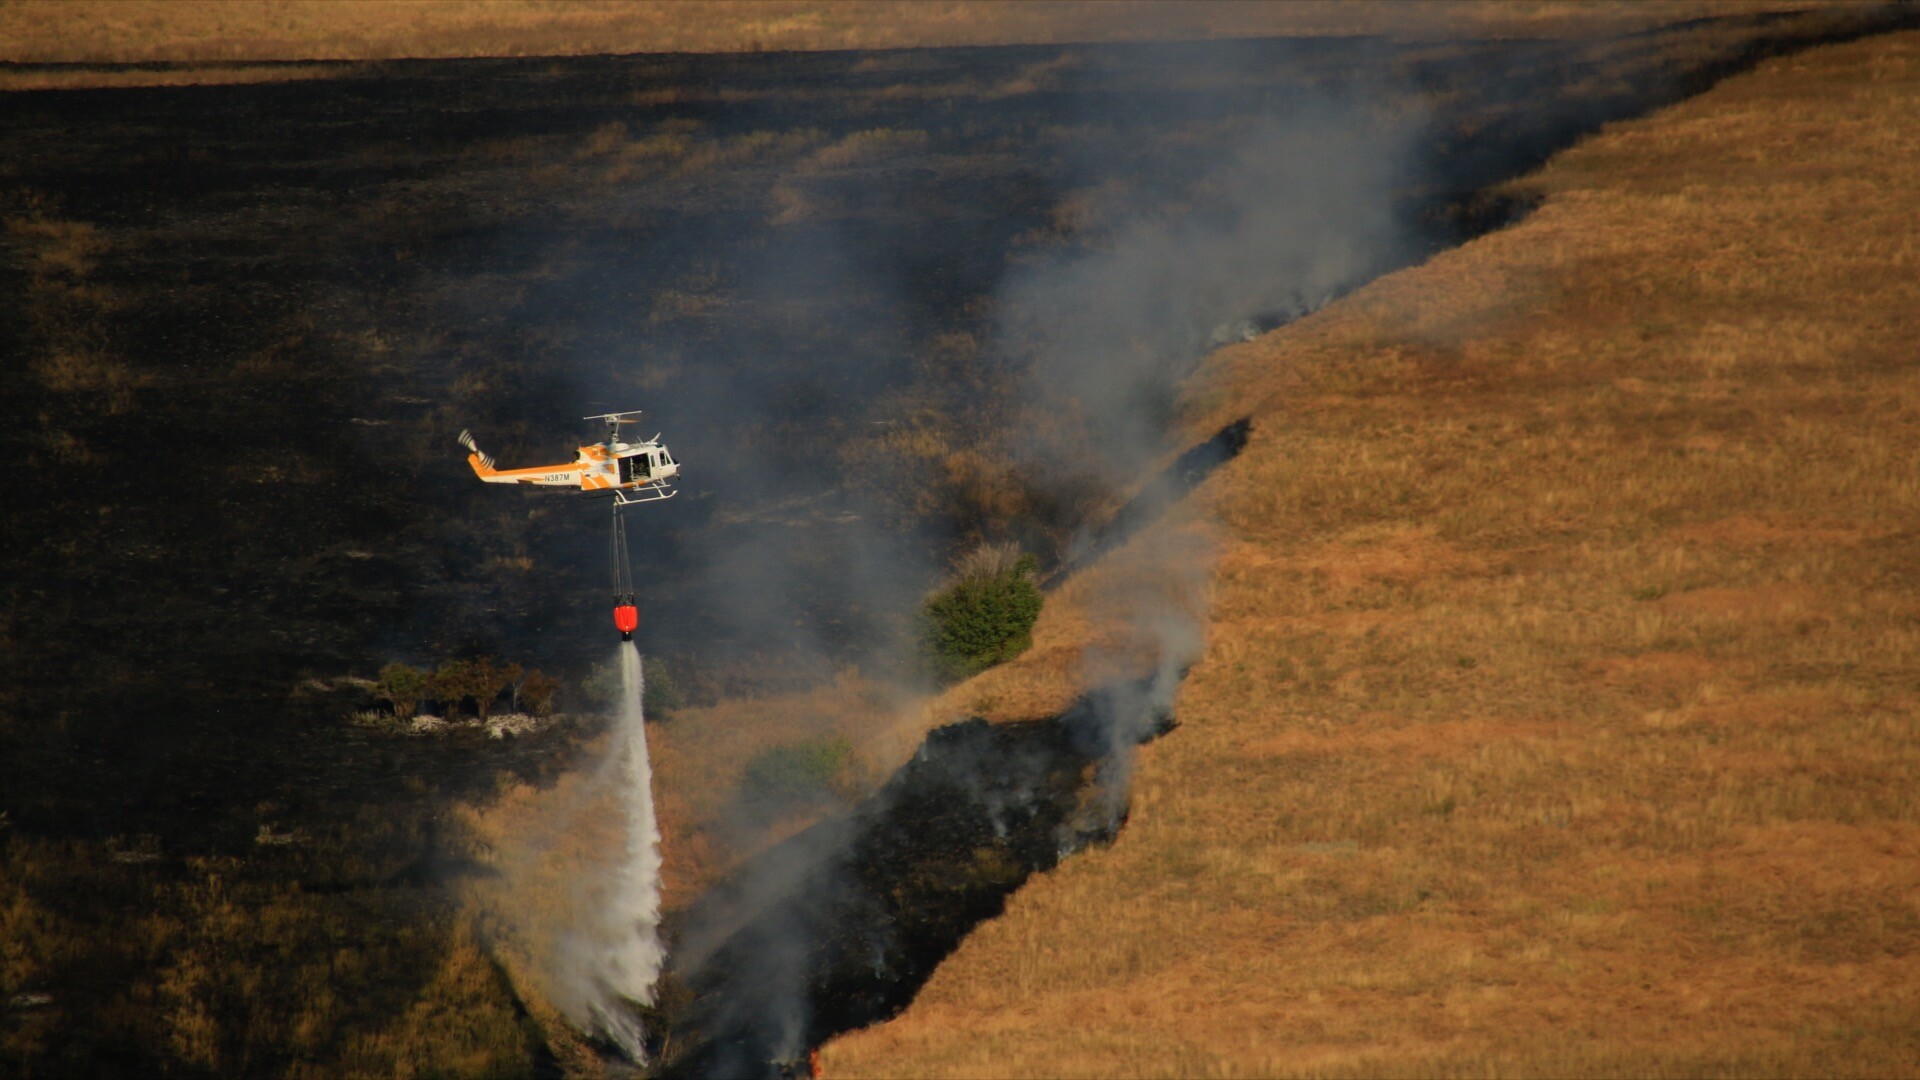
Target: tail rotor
[466, 440]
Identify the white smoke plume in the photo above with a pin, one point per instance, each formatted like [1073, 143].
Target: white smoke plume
[1298, 208]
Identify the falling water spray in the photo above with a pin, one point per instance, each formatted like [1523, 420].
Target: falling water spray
[624, 949]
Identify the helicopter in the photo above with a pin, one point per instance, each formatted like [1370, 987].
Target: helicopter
[631, 473]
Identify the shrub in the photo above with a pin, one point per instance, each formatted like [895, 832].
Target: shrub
[662, 696]
[985, 617]
[797, 773]
[602, 688]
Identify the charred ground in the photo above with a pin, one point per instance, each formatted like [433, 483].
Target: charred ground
[840, 926]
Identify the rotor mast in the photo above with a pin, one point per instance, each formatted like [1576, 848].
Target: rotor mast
[614, 420]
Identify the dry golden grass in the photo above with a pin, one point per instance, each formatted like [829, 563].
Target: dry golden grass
[228, 33]
[81, 78]
[1557, 714]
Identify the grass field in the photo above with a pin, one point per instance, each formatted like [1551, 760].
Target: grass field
[1558, 713]
[226, 39]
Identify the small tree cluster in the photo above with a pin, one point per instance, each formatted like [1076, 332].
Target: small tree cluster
[402, 687]
[983, 618]
[456, 683]
[536, 692]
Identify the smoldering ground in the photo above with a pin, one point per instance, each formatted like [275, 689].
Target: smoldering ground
[839, 927]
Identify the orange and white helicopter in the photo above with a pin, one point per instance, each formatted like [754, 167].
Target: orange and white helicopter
[632, 473]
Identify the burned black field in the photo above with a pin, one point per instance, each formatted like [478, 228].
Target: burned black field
[245, 324]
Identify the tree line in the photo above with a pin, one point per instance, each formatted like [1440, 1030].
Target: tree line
[459, 684]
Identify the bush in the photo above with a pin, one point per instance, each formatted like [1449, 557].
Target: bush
[662, 696]
[985, 617]
[602, 688]
[809, 771]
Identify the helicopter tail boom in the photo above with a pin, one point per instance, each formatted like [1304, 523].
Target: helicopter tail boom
[542, 475]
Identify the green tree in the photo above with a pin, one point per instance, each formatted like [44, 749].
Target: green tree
[451, 684]
[402, 687]
[536, 692]
[487, 679]
[662, 697]
[984, 618]
[602, 686]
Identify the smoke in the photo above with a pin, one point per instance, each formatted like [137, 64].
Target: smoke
[768, 563]
[1124, 710]
[1299, 207]
[1300, 203]
[1296, 209]
[610, 961]
[777, 352]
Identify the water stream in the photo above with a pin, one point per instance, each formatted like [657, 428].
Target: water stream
[624, 949]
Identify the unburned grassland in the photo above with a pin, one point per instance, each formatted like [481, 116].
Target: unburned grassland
[170, 31]
[1557, 712]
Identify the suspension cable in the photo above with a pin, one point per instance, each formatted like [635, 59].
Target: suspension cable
[621, 567]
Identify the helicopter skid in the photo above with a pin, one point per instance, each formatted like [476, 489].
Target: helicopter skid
[645, 495]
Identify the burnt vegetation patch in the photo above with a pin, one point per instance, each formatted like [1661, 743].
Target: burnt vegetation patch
[841, 926]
